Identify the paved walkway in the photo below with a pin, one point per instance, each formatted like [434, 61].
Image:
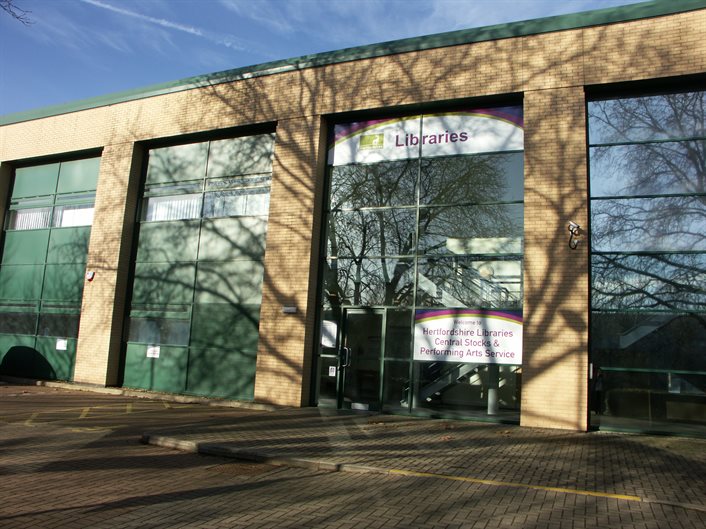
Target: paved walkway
[632, 468]
[73, 459]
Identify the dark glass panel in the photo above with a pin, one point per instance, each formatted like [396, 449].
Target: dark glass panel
[495, 229]
[663, 282]
[638, 340]
[381, 184]
[473, 179]
[647, 118]
[450, 386]
[650, 369]
[464, 282]
[328, 377]
[368, 281]
[398, 334]
[376, 232]
[649, 224]
[648, 169]
[396, 386]
[17, 319]
[63, 325]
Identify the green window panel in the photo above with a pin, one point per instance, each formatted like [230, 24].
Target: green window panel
[246, 155]
[177, 164]
[59, 359]
[167, 372]
[78, 175]
[222, 373]
[63, 282]
[236, 282]
[68, 245]
[218, 325]
[233, 238]
[35, 181]
[164, 283]
[25, 247]
[21, 282]
[168, 241]
[10, 340]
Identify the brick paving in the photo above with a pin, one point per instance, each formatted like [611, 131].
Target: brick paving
[660, 469]
[71, 459]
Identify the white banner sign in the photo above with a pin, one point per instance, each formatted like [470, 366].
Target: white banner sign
[469, 336]
[464, 132]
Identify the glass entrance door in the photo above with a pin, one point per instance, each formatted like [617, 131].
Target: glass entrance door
[360, 360]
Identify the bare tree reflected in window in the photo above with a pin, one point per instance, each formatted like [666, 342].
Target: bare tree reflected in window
[648, 241]
[375, 229]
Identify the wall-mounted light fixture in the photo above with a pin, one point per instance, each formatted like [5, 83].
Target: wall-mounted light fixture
[576, 235]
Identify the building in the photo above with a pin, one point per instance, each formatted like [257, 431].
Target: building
[503, 223]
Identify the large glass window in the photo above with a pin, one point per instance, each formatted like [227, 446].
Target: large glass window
[648, 262]
[47, 228]
[194, 313]
[424, 215]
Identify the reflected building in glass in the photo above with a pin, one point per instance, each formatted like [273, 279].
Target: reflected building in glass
[430, 216]
[648, 260]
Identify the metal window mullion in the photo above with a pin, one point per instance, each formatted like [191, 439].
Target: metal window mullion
[646, 142]
[649, 197]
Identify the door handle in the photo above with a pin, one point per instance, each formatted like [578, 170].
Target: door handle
[346, 361]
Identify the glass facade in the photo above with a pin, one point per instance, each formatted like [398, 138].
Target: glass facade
[648, 262]
[197, 288]
[46, 233]
[424, 214]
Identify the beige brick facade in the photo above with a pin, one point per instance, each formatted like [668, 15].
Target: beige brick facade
[549, 71]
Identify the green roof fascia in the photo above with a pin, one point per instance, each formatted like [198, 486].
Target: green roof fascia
[584, 19]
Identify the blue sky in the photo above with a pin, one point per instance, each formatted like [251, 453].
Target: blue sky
[76, 49]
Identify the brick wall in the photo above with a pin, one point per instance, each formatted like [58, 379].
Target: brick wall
[103, 307]
[549, 70]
